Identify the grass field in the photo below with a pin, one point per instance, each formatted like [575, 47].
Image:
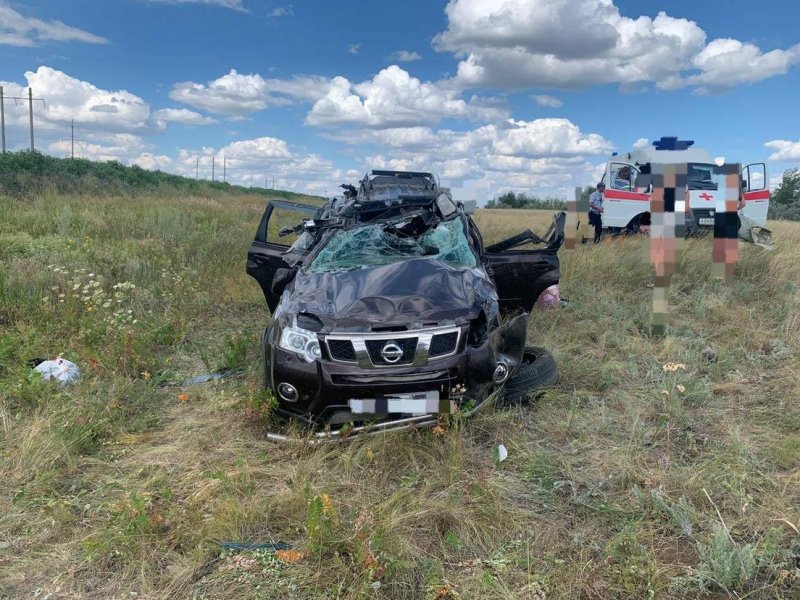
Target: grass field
[659, 468]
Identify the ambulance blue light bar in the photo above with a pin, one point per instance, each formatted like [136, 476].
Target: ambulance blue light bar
[672, 143]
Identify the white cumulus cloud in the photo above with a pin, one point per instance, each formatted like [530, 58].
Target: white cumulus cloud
[784, 150]
[544, 100]
[543, 156]
[67, 99]
[726, 63]
[517, 44]
[406, 56]
[122, 147]
[393, 98]
[17, 29]
[183, 116]
[238, 94]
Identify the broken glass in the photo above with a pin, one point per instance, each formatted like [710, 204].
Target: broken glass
[382, 244]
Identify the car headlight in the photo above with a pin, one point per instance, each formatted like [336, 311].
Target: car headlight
[301, 341]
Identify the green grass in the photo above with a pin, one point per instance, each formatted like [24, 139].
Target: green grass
[26, 174]
[627, 480]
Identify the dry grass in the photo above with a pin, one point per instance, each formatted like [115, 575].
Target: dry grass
[616, 485]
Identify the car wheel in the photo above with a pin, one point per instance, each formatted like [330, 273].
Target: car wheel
[538, 370]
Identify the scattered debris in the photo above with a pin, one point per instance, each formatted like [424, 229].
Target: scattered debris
[550, 298]
[291, 556]
[501, 453]
[750, 231]
[672, 367]
[59, 369]
[709, 354]
[197, 379]
[254, 546]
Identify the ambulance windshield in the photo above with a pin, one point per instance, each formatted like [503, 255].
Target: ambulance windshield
[701, 176]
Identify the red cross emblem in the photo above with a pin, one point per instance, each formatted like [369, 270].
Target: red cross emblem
[706, 197]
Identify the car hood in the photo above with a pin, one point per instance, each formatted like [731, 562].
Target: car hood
[403, 293]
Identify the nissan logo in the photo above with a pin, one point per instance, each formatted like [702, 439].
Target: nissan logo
[391, 352]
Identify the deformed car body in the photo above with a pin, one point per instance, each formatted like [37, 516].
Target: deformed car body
[388, 304]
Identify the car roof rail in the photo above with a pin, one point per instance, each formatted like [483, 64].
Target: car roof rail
[402, 174]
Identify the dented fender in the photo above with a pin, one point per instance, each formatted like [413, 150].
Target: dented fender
[505, 344]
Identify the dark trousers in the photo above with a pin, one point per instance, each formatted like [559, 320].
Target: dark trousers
[597, 220]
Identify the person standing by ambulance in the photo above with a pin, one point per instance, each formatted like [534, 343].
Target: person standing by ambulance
[596, 210]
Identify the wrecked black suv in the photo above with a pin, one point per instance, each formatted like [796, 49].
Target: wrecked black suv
[387, 305]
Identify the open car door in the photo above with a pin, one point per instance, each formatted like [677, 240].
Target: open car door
[521, 275]
[266, 254]
[755, 191]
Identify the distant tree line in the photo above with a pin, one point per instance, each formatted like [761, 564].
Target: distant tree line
[784, 202]
[28, 173]
[514, 200]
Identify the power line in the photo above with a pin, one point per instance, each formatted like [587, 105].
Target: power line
[72, 138]
[16, 100]
[3, 119]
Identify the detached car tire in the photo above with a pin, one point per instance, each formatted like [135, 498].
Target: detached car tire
[538, 370]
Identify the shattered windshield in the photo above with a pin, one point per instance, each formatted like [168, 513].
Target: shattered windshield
[382, 244]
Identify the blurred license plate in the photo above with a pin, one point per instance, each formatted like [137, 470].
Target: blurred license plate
[705, 221]
[420, 403]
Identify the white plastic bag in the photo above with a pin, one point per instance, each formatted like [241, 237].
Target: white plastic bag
[59, 369]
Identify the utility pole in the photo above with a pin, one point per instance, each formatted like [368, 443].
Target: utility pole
[273, 183]
[30, 107]
[72, 138]
[16, 99]
[196, 168]
[3, 119]
[212, 168]
[224, 167]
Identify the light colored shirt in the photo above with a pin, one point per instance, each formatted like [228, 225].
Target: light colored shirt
[595, 202]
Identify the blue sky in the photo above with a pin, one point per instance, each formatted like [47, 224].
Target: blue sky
[529, 95]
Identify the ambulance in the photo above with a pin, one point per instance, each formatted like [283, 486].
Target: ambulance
[627, 207]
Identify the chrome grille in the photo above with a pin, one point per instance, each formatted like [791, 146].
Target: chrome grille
[417, 347]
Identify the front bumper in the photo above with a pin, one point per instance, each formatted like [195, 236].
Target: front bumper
[325, 387]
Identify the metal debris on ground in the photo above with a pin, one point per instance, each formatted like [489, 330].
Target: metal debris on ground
[205, 378]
